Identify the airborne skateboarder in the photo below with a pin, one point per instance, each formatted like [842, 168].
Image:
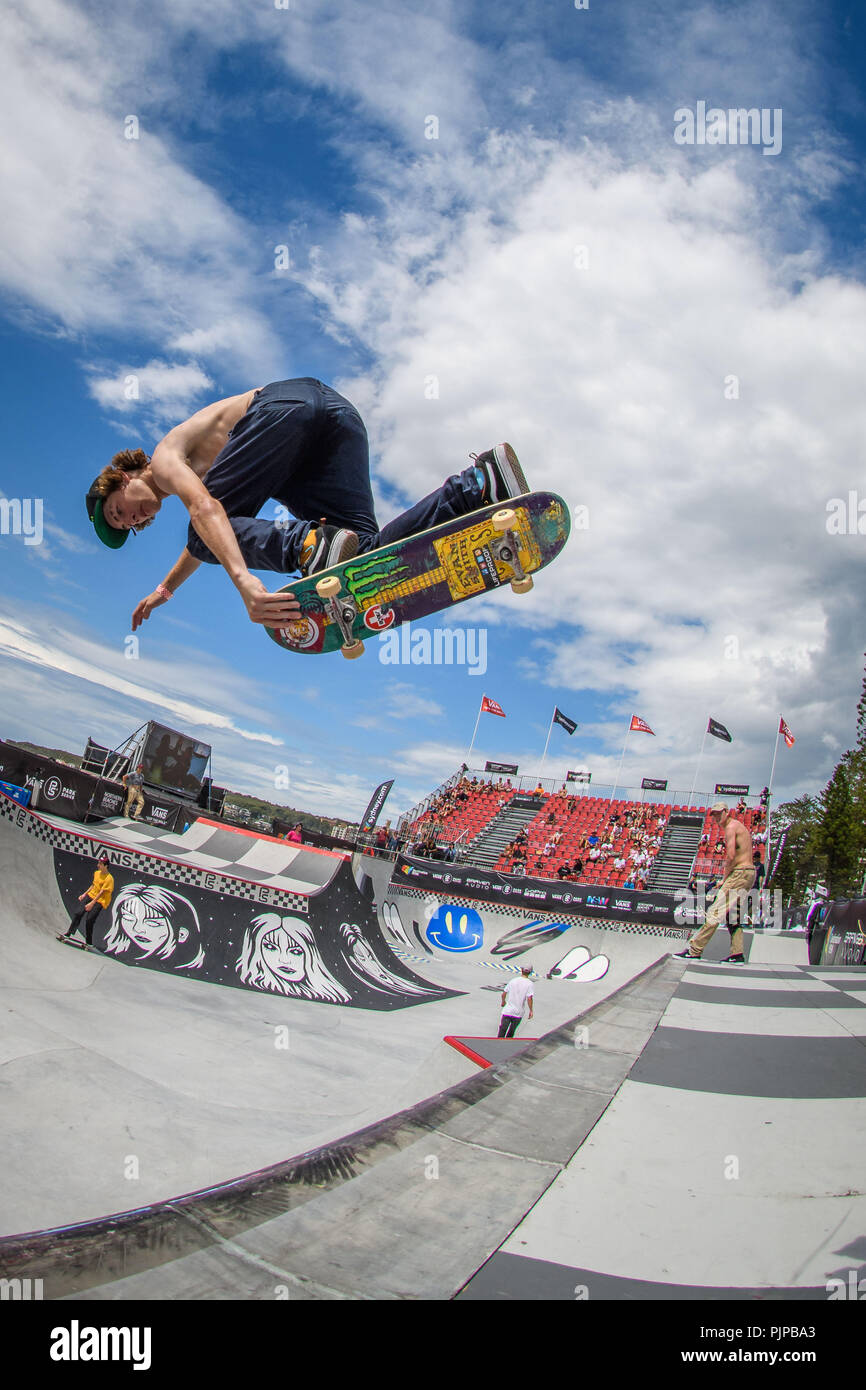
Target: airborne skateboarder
[299, 443]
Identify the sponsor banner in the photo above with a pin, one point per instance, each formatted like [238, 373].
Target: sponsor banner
[639, 726]
[19, 794]
[786, 734]
[489, 706]
[568, 724]
[507, 769]
[719, 731]
[377, 801]
[65, 791]
[652, 784]
[578, 777]
[731, 789]
[535, 894]
[840, 936]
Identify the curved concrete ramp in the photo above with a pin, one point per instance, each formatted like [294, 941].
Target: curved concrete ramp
[126, 1086]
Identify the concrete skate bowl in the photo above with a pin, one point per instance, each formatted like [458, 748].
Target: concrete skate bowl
[127, 1086]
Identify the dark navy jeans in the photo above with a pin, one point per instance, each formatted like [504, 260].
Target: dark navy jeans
[304, 447]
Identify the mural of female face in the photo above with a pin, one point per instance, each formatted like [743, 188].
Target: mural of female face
[280, 954]
[155, 922]
[284, 955]
[146, 927]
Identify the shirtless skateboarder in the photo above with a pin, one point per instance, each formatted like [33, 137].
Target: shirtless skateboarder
[739, 877]
[299, 443]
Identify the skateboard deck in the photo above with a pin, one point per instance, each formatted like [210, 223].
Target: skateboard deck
[504, 543]
[68, 941]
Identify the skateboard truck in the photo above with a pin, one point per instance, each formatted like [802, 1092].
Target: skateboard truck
[343, 611]
[506, 549]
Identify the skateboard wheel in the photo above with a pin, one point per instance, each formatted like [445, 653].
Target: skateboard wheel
[353, 649]
[522, 586]
[328, 588]
[503, 520]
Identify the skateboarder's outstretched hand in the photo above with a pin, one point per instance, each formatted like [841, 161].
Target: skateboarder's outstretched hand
[274, 610]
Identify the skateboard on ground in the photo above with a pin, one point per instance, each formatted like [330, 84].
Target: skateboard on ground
[504, 543]
[69, 941]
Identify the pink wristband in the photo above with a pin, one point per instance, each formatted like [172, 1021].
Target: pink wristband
[163, 591]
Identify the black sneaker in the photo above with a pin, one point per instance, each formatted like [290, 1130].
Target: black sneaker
[501, 474]
[329, 545]
[733, 960]
[685, 955]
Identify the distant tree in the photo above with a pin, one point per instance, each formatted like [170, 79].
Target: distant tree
[801, 861]
[841, 836]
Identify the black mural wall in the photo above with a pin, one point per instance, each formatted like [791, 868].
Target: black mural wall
[333, 952]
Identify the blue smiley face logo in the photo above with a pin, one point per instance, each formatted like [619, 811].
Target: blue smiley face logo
[453, 928]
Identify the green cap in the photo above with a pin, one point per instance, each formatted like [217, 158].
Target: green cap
[109, 535]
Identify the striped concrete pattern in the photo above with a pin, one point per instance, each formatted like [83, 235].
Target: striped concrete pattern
[729, 1164]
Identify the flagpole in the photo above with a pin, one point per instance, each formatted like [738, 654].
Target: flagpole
[621, 756]
[475, 730]
[768, 816]
[549, 732]
[697, 769]
[775, 751]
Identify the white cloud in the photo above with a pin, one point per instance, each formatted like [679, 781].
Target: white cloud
[84, 660]
[165, 390]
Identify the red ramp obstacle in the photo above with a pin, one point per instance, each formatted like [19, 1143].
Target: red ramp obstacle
[486, 1052]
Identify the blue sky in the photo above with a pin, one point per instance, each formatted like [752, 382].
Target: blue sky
[569, 277]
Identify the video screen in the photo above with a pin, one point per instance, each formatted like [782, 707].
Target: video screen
[173, 761]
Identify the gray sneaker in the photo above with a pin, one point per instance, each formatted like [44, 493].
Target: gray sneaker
[501, 474]
[331, 546]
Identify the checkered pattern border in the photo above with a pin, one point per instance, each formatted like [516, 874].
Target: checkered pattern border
[579, 920]
[86, 844]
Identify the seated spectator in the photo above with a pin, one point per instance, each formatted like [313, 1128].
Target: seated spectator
[577, 867]
[563, 871]
[619, 864]
[595, 854]
[593, 840]
[629, 883]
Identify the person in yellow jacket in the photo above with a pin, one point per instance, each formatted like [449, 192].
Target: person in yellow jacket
[94, 898]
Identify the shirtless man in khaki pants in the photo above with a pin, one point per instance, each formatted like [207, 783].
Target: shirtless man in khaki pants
[739, 877]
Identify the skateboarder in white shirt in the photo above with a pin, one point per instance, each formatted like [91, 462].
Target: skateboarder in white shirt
[517, 993]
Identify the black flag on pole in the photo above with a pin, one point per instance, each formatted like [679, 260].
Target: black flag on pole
[568, 724]
[719, 731]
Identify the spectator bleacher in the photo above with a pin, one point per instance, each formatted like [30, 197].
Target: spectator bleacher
[565, 825]
[460, 812]
[569, 823]
[711, 853]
